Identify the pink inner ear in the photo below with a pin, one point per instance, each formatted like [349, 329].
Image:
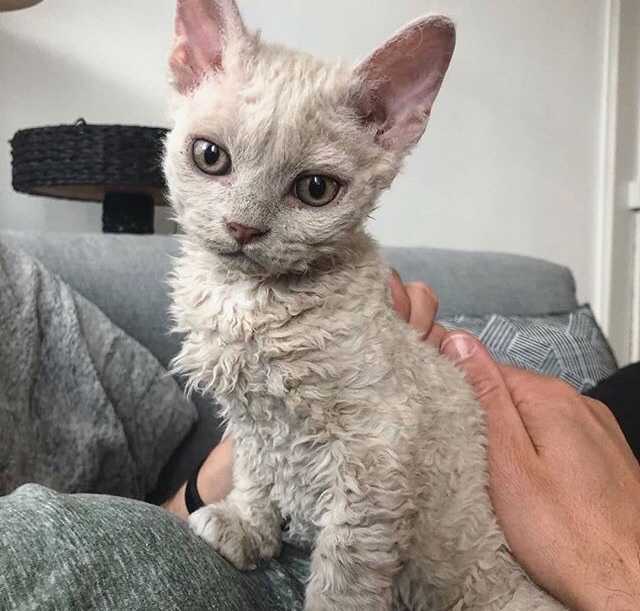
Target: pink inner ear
[402, 79]
[201, 29]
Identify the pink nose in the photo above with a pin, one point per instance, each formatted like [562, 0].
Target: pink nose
[243, 234]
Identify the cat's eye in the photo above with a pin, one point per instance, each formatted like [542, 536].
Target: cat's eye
[210, 157]
[316, 189]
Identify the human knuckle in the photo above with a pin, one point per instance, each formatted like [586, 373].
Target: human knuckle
[544, 394]
[485, 388]
[533, 405]
[559, 387]
[428, 290]
[423, 290]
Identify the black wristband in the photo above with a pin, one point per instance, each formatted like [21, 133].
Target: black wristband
[192, 498]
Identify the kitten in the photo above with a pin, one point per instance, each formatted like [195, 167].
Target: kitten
[367, 440]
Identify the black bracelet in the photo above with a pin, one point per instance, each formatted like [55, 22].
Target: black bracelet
[192, 498]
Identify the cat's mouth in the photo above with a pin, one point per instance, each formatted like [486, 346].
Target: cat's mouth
[239, 258]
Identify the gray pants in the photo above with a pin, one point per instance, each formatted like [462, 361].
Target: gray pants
[83, 551]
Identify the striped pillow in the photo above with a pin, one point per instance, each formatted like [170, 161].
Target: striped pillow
[568, 346]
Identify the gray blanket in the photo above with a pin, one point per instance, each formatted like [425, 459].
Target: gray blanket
[83, 407]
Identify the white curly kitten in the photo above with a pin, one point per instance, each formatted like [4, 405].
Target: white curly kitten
[368, 441]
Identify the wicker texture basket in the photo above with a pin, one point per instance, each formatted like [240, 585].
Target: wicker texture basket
[84, 161]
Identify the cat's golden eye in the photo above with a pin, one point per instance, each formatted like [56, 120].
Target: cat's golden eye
[316, 189]
[210, 158]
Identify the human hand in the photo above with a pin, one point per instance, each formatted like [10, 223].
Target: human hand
[564, 483]
[417, 304]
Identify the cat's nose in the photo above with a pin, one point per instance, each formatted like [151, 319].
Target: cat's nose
[243, 234]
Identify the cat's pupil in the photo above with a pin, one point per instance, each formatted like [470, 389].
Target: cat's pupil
[317, 187]
[211, 154]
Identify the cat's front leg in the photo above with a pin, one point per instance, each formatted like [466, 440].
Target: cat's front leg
[352, 569]
[366, 524]
[246, 526]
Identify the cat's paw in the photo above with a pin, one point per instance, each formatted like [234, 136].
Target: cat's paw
[321, 603]
[320, 600]
[224, 531]
[317, 602]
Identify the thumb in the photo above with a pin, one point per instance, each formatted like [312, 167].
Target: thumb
[506, 429]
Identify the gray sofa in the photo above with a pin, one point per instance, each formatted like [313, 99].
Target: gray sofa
[125, 277]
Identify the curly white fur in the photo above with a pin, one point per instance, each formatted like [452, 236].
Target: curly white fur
[343, 421]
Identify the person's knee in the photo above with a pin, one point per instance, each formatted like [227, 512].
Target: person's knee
[32, 492]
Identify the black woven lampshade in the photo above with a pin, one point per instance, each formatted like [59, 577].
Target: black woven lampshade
[119, 165]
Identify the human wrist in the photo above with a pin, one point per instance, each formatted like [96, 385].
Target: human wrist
[214, 477]
[213, 480]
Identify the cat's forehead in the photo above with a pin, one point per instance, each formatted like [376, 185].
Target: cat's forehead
[294, 78]
[284, 102]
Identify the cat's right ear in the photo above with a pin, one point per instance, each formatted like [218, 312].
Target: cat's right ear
[203, 29]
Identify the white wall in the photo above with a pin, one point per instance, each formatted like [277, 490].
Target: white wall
[619, 239]
[509, 162]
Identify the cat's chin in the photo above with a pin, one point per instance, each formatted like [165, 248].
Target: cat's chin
[239, 261]
[248, 264]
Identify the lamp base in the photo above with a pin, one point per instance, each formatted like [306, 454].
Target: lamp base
[127, 213]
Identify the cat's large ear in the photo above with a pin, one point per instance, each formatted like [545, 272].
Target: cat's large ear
[399, 81]
[203, 29]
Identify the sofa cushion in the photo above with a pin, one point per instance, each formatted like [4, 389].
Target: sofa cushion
[481, 283]
[569, 346]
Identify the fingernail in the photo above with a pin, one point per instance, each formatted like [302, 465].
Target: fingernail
[395, 274]
[458, 347]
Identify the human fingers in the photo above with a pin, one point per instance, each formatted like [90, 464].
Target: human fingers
[436, 336]
[399, 296]
[424, 307]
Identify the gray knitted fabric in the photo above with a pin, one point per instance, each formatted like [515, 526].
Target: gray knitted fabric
[83, 407]
[92, 552]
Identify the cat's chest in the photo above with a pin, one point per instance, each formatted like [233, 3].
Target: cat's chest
[229, 338]
[243, 342]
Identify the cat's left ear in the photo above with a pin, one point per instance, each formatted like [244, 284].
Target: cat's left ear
[399, 81]
[203, 30]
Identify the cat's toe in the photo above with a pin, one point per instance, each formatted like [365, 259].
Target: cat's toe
[225, 534]
[203, 522]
